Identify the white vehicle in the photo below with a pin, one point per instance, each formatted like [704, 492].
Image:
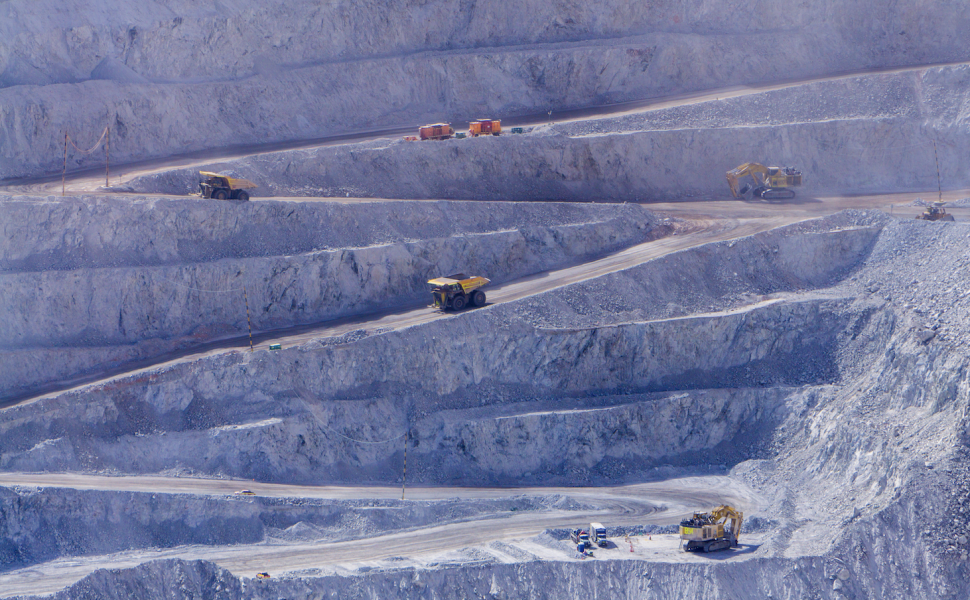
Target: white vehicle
[597, 534]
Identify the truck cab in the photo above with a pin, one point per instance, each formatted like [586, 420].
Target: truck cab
[579, 536]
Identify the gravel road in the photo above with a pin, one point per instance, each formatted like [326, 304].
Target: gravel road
[649, 503]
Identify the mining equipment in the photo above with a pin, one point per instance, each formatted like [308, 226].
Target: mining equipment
[936, 212]
[770, 183]
[485, 127]
[223, 187]
[716, 530]
[436, 131]
[263, 575]
[457, 291]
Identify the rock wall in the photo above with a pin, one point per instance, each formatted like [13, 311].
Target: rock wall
[67, 233]
[175, 78]
[866, 134]
[864, 475]
[817, 577]
[39, 525]
[185, 271]
[294, 415]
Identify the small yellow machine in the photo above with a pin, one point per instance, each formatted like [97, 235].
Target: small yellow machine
[770, 183]
[457, 291]
[935, 213]
[716, 530]
[223, 187]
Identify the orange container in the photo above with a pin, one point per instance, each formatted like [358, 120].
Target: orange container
[437, 131]
[485, 127]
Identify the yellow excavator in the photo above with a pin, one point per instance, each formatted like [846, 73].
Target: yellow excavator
[716, 530]
[770, 183]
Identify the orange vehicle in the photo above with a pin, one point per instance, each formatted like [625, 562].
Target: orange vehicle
[485, 127]
[437, 131]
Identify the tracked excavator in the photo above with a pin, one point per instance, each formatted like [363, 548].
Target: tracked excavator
[713, 531]
[770, 183]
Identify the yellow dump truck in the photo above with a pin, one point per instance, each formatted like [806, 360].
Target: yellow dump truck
[223, 187]
[457, 291]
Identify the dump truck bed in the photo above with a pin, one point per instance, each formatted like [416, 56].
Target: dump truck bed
[467, 283]
[234, 183]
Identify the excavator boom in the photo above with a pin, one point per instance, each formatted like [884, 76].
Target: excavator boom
[753, 169]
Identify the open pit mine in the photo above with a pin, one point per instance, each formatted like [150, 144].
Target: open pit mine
[433, 299]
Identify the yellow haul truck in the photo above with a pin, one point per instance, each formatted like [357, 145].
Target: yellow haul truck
[457, 291]
[716, 530]
[223, 187]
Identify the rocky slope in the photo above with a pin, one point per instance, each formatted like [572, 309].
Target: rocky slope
[860, 134]
[171, 77]
[274, 415]
[189, 272]
[830, 380]
[44, 524]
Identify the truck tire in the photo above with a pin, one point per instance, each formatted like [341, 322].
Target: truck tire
[458, 302]
[242, 196]
[478, 298]
[220, 194]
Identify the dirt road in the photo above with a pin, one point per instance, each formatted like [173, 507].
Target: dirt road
[90, 180]
[658, 503]
[709, 221]
[701, 231]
